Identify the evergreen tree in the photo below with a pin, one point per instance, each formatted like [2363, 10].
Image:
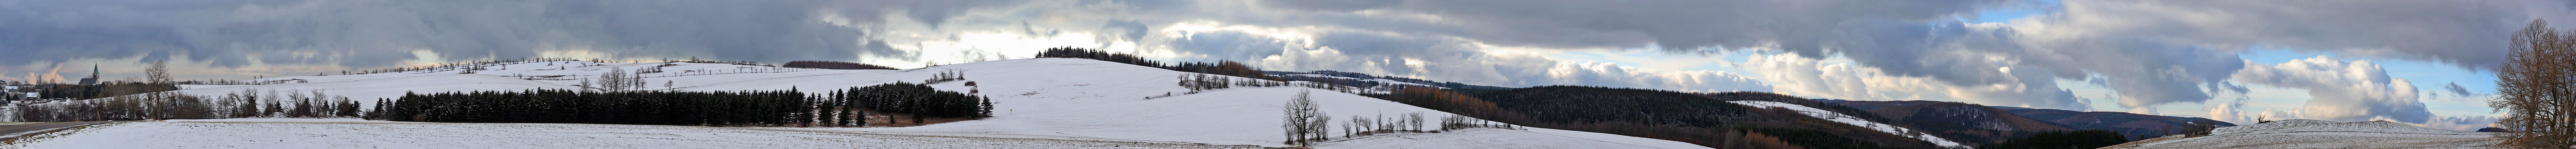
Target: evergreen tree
[378, 112]
[347, 108]
[987, 109]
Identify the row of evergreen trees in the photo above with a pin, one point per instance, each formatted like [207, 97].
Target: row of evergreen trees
[917, 100]
[841, 108]
[1097, 54]
[716, 108]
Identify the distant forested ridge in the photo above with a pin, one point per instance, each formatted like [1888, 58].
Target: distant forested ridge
[1704, 119]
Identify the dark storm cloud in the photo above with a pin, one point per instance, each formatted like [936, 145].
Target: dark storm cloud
[365, 33]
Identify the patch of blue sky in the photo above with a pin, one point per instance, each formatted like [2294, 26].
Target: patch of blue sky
[2023, 9]
[2427, 77]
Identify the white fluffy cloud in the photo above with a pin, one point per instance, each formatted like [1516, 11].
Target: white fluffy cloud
[2460, 123]
[2231, 112]
[1467, 62]
[2343, 90]
[1796, 75]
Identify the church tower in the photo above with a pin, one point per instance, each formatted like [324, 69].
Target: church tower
[93, 76]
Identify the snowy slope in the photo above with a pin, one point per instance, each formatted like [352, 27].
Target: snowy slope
[1087, 98]
[681, 74]
[368, 90]
[2302, 133]
[1491, 138]
[353, 133]
[1045, 98]
[1855, 121]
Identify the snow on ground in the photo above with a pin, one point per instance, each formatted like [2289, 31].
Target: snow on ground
[679, 74]
[2302, 133]
[366, 91]
[1614, 138]
[1248, 116]
[1098, 99]
[1043, 98]
[1490, 138]
[203, 86]
[352, 133]
[1854, 121]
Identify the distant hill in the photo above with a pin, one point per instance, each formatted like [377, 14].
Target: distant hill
[2135, 126]
[2302, 133]
[1720, 120]
[1969, 123]
[1042, 98]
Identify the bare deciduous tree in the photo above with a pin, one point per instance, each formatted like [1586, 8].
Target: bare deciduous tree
[157, 74]
[2536, 88]
[1303, 120]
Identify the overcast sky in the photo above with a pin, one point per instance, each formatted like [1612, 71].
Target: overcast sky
[2419, 62]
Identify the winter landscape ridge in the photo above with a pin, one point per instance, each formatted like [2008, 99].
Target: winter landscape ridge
[1046, 99]
[1040, 103]
[1288, 74]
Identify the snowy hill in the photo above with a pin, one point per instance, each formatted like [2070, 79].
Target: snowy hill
[391, 87]
[1051, 98]
[1974, 124]
[277, 133]
[1855, 121]
[2302, 133]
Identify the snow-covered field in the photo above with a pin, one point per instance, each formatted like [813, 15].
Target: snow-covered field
[2302, 133]
[1044, 98]
[369, 90]
[1854, 121]
[1480, 138]
[353, 133]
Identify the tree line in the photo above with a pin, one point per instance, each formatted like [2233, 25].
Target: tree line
[919, 101]
[171, 105]
[841, 108]
[157, 79]
[1703, 119]
[1097, 54]
[1305, 123]
[833, 65]
[1228, 68]
[150, 99]
[1356, 77]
